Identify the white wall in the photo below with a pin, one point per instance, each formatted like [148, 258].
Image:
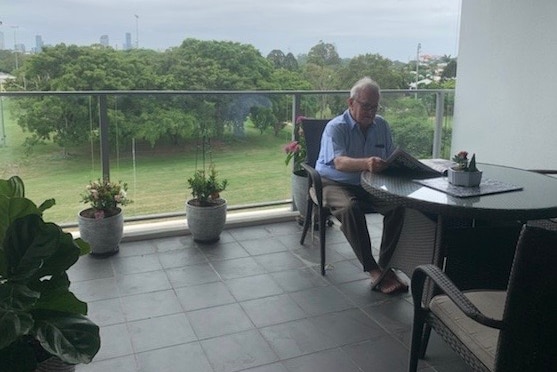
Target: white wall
[506, 92]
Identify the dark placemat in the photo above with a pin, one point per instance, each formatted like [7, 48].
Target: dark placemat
[486, 187]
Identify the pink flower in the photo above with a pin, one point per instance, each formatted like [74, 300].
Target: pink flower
[299, 119]
[99, 214]
[292, 147]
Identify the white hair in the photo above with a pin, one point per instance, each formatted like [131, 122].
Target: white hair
[363, 83]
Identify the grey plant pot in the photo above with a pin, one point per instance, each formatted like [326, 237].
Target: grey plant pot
[206, 222]
[103, 235]
[299, 192]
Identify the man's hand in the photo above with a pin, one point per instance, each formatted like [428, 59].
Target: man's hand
[376, 164]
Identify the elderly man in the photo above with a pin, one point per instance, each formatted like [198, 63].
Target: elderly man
[353, 142]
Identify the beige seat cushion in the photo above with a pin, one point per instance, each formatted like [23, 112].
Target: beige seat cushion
[481, 340]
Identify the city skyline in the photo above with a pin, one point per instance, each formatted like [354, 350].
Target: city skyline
[391, 29]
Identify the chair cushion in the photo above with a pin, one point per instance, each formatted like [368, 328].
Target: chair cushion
[480, 339]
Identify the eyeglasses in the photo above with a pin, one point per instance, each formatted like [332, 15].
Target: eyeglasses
[367, 106]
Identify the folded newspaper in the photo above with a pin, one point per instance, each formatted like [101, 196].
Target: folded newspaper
[402, 163]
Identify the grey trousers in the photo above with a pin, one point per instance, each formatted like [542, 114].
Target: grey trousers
[349, 204]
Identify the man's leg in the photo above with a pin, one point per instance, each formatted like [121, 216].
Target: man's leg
[345, 205]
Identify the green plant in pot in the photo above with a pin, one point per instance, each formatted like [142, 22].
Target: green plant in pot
[40, 318]
[102, 224]
[206, 211]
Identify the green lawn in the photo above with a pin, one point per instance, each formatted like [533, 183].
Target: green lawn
[254, 167]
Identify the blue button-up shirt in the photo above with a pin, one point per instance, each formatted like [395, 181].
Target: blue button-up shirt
[343, 137]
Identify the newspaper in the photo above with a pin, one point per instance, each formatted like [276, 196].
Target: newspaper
[402, 163]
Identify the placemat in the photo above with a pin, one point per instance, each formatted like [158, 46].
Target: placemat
[486, 187]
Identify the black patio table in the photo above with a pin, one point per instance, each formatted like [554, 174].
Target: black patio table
[472, 238]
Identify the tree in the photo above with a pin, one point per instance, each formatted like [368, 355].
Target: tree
[277, 58]
[262, 118]
[324, 54]
[380, 69]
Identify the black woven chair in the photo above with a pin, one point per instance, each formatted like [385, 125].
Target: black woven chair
[313, 130]
[511, 330]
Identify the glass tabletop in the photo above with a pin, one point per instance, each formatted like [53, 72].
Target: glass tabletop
[536, 199]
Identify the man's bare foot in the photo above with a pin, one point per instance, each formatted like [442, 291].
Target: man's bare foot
[388, 282]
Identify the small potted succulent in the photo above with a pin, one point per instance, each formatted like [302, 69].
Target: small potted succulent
[102, 224]
[464, 172]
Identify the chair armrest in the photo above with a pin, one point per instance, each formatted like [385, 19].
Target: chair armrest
[315, 181]
[447, 287]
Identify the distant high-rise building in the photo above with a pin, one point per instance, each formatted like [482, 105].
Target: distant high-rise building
[104, 40]
[2, 47]
[38, 43]
[128, 42]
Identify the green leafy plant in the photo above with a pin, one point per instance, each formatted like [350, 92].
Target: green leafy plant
[39, 316]
[104, 197]
[206, 187]
[462, 163]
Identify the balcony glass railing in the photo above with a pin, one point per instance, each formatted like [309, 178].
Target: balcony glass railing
[149, 140]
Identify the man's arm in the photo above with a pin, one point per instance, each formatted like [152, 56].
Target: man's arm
[347, 164]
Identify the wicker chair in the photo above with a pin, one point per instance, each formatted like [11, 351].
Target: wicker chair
[313, 129]
[512, 330]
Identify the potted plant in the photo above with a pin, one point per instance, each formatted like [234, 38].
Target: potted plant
[42, 323]
[296, 152]
[464, 173]
[102, 224]
[206, 211]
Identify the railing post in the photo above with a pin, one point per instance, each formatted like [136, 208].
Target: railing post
[295, 112]
[105, 147]
[439, 116]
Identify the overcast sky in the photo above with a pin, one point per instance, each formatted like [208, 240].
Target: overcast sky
[392, 28]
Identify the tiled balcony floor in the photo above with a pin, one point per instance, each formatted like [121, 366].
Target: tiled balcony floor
[254, 301]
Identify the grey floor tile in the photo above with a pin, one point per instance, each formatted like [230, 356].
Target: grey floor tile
[181, 257]
[115, 342]
[296, 338]
[192, 275]
[321, 300]
[160, 332]
[347, 327]
[121, 364]
[153, 304]
[345, 271]
[105, 312]
[380, 354]
[142, 283]
[238, 351]
[257, 247]
[219, 320]
[204, 295]
[137, 248]
[272, 310]
[96, 289]
[180, 358]
[135, 264]
[223, 251]
[88, 267]
[279, 261]
[334, 360]
[297, 280]
[275, 367]
[250, 233]
[252, 287]
[238, 267]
